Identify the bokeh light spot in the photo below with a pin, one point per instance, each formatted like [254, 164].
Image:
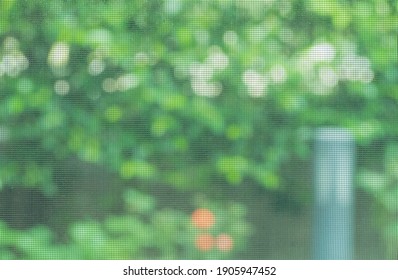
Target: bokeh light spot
[61, 87]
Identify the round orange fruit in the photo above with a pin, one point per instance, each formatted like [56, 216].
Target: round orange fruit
[203, 218]
[224, 242]
[204, 242]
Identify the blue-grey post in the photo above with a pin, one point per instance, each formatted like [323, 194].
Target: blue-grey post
[334, 195]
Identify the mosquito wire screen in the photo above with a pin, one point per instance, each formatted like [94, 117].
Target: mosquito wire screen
[177, 129]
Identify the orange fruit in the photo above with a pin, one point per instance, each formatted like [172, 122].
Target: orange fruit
[204, 242]
[203, 218]
[224, 242]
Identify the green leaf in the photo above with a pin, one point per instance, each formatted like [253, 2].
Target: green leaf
[134, 168]
[137, 201]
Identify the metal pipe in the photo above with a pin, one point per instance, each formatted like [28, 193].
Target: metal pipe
[333, 194]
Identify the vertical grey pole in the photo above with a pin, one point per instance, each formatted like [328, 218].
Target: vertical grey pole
[334, 195]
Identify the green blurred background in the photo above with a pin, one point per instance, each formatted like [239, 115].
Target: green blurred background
[119, 120]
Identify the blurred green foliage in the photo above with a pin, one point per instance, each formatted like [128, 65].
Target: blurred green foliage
[196, 95]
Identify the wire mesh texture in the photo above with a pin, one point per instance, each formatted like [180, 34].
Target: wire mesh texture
[177, 129]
